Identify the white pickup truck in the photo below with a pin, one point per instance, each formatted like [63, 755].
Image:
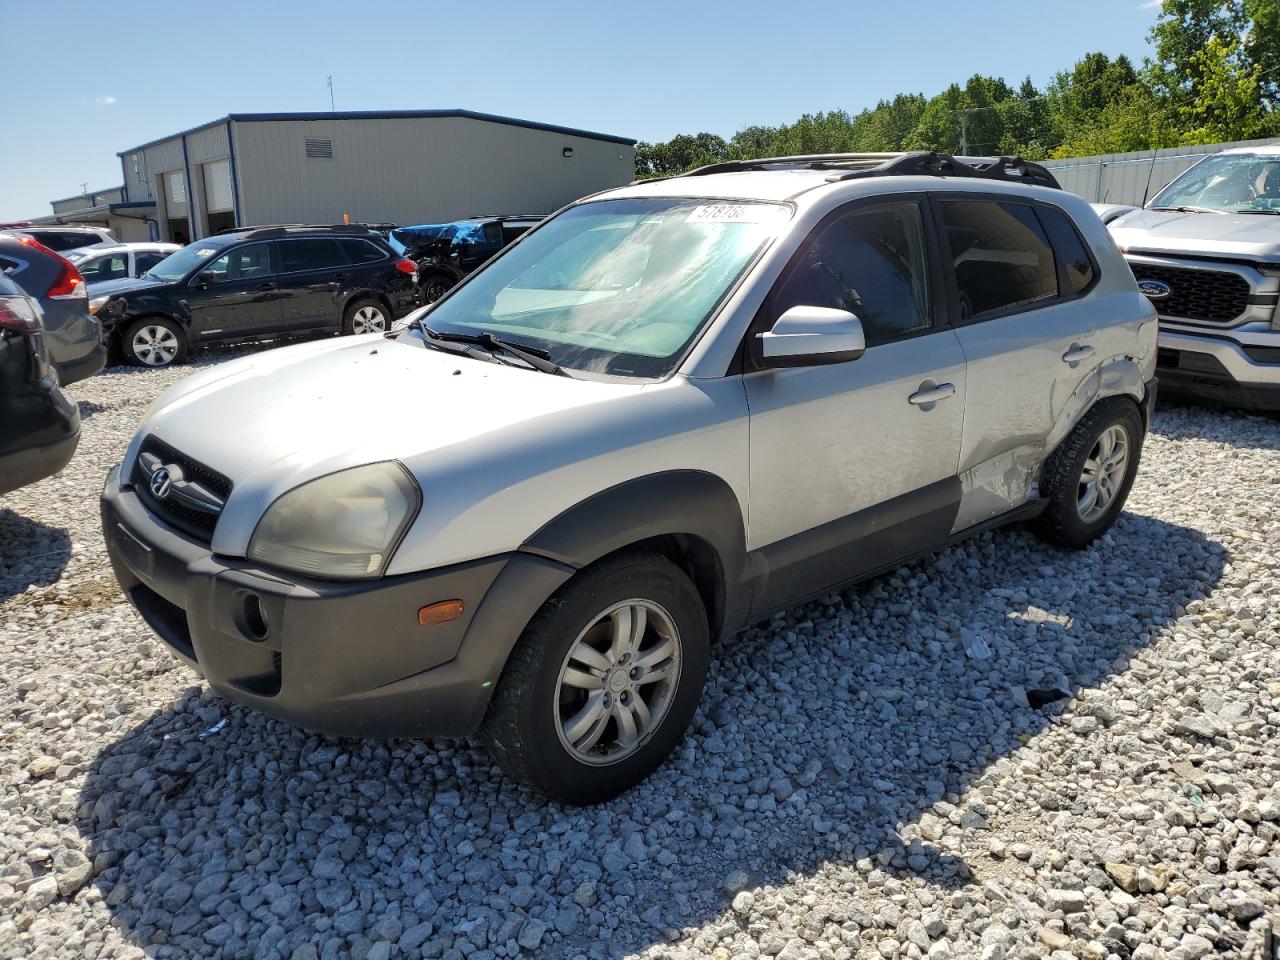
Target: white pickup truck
[1206, 252]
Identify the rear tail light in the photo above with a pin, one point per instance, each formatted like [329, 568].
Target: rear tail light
[68, 283]
[407, 266]
[16, 314]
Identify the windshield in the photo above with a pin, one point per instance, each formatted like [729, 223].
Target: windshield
[618, 287]
[183, 262]
[1229, 182]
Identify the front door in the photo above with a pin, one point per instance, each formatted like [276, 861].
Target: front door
[313, 270]
[235, 295]
[853, 465]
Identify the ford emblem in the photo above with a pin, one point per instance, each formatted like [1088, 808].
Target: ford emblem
[161, 483]
[1155, 289]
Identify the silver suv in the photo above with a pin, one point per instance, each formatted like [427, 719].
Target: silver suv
[1206, 251]
[664, 413]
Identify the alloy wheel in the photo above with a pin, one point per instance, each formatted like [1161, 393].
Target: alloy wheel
[368, 320]
[1103, 473]
[617, 681]
[154, 345]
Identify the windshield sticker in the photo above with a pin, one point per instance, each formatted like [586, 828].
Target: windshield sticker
[732, 213]
[206, 251]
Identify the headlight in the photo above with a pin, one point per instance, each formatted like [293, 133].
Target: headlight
[95, 304]
[1275, 314]
[344, 526]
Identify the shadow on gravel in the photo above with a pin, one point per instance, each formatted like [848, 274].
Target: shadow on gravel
[823, 739]
[31, 554]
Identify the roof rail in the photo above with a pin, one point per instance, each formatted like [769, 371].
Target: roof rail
[850, 166]
[267, 230]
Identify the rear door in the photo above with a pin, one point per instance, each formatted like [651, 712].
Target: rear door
[314, 271]
[853, 465]
[236, 295]
[1028, 340]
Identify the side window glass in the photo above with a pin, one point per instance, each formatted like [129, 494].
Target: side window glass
[1001, 256]
[146, 261]
[493, 233]
[1068, 247]
[309, 254]
[113, 266]
[870, 262]
[361, 251]
[244, 263]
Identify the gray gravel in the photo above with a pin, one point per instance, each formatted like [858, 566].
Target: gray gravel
[1106, 783]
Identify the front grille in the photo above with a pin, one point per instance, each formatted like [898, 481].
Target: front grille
[1210, 296]
[194, 522]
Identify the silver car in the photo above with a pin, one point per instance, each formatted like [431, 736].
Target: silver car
[664, 413]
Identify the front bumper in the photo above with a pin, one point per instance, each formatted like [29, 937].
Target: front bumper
[343, 658]
[1219, 370]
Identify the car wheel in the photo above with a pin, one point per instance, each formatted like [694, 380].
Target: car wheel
[366, 316]
[1088, 477]
[154, 342]
[603, 682]
[434, 287]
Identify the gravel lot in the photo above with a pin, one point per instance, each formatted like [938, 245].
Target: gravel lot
[857, 785]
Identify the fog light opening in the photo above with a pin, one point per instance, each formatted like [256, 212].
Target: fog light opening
[253, 618]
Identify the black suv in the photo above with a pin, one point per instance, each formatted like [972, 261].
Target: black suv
[257, 283]
[447, 252]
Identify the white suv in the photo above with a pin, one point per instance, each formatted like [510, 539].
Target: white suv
[665, 412]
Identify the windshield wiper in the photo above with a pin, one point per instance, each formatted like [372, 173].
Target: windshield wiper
[1188, 209]
[1261, 210]
[533, 356]
[460, 348]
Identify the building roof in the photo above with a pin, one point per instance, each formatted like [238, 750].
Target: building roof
[90, 194]
[384, 115]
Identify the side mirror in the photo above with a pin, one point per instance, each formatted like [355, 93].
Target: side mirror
[810, 336]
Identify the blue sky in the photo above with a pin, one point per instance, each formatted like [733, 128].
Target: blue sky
[93, 79]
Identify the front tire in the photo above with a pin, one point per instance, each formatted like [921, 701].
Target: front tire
[154, 342]
[1088, 478]
[603, 682]
[434, 286]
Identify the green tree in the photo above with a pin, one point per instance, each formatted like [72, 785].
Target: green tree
[1226, 99]
[1184, 29]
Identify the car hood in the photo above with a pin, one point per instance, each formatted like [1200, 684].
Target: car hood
[1246, 236]
[124, 285]
[272, 421]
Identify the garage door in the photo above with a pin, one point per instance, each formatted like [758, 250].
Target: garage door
[217, 186]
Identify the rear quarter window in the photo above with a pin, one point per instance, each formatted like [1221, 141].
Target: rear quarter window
[1078, 267]
[362, 251]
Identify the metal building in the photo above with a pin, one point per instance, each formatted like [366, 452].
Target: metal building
[1132, 178]
[403, 167]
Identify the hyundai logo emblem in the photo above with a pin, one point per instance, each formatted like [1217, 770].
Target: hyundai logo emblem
[161, 483]
[1155, 289]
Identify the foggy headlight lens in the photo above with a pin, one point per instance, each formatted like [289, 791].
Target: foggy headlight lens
[343, 526]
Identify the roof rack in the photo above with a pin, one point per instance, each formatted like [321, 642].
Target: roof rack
[851, 166]
[267, 230]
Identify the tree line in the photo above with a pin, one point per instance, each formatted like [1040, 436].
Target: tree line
[1214, 76]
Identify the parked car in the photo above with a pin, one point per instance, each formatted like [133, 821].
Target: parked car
[39, 425]
[59, 239]
[118, 261]
[255, 284]
[72, 335]
[670, 410]
[447, 252]
[1206, 251]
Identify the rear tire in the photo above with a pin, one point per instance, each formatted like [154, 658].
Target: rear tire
[603, 682]
[366, 316]
[1088, 478]
[154, 342]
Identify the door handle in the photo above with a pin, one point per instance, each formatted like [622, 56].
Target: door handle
[1076, 353]
[932, 394]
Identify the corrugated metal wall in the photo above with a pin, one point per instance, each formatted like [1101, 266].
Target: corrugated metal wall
[419, 170]
[1132, 177]
[143, 167]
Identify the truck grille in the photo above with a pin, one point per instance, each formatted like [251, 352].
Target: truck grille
[193, 515]
[1210, 296]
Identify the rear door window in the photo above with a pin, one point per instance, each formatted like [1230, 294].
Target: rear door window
[312, 253]
[1001, 257]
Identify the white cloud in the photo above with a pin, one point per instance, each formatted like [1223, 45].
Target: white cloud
[104, 101]
[1150, 4]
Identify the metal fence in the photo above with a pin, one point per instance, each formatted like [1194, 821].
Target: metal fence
[1132, 177]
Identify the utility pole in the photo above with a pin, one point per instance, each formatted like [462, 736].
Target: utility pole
[964, 134]
[84, 188]
[329, 80]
